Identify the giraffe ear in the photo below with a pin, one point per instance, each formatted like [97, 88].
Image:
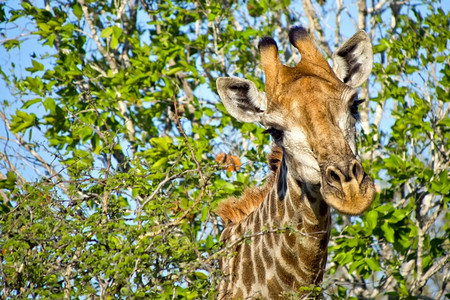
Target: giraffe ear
[242, 99]
[352, 62]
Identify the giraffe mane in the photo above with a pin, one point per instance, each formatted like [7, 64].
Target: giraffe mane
[235, 209]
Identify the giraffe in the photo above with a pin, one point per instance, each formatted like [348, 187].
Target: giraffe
[278, 234]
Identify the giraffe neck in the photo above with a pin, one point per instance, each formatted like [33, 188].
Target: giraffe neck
[287, 243]
[297, 203]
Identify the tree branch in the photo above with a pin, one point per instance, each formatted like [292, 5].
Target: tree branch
[23, 143]
[420, 282]
[203, 182]
[163, 183]
[180, 128]
[122, 106]
[315, 26]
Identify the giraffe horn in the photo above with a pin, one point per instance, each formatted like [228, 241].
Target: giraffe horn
[299, 37]
[270, 61]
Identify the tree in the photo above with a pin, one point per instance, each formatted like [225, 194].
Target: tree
[402, 245]
[116, 149]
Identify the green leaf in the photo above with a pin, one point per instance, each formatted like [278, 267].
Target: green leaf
[160, 163]
[209, 242]
[106, 32]
[204, 214]
[11, 44]
[117, 32]
[77, 11]
[201, 275]
[393, 162]
[373, 264]
[10, 182]
[356, 264]
[372, 219]
[162, 143]
[29, 103]
[22, 121]
[382, 46]
[36, 67]
[388, 232]
[114, 42]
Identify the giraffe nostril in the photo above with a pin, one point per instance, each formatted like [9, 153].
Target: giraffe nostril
[357, 171]
[334, 176]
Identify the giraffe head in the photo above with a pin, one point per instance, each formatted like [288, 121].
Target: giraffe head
[311, 110]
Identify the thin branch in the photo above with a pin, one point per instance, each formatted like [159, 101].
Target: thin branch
[364, 111]
[20, 179]
[2, 193]
[444, 285]
[180, 128]
[203, 182]
[109, 57]
[315, 26]
[339, 9]
[420, 282]
[163, 183]
[16, 38]
[377, 8]
[23, 143]
[163, 228]
[122, 106]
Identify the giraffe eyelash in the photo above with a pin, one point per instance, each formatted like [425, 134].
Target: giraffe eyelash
[354, 107]
[276, 134]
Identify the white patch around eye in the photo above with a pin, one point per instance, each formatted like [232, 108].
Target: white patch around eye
[302, 163]
[343, 122]
[351, 140]
[347, 125]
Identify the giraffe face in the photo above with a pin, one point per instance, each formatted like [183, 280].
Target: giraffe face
[310, 111]
[313, 127]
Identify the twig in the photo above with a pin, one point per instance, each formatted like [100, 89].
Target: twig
[162, 183]
[109, 57]
[122, 106]
[22, 142]
[376, 9]
[315, 26]
[420, 282]
[180, 128]
[203, 182]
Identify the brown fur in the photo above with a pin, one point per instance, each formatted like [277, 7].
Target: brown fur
[234, 210]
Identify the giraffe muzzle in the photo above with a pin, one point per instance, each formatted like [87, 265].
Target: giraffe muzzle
[347, 188]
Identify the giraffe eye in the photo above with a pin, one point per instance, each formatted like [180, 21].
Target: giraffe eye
[354, 107]
[276, 134]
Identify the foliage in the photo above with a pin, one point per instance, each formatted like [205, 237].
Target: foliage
[401, 244]
[116, 150]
